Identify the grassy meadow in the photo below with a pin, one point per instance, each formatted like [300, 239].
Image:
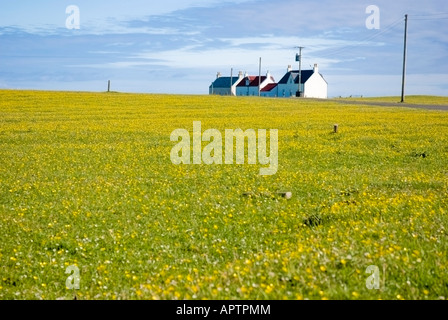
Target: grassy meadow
[86, 180]
[420, 100]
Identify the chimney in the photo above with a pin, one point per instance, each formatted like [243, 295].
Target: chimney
[289, 68]
[316, 68]
[240, 75]
[268, 76]
[218, 75]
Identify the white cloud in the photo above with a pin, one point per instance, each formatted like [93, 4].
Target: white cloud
[275, 52]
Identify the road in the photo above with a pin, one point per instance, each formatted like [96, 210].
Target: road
[392, 104]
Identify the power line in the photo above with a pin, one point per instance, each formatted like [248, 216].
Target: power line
[363, 41]
[432, 19]
[430, 15]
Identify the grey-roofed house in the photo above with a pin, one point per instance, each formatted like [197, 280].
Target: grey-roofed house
[225, 86]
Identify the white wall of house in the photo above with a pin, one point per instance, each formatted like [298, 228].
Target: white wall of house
[316, 86]
[240, 77]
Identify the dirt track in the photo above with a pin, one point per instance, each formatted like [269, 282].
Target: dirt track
[393, 104]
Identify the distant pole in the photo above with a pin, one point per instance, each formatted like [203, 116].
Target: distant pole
[259, 78]
[300, 70]
[403, 81]
[108, 86]
[335, 128]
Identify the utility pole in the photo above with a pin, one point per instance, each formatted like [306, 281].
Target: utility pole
[299, 58]
[259, 78]
[403, 81]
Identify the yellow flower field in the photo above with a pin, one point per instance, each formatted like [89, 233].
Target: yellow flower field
[86, 180]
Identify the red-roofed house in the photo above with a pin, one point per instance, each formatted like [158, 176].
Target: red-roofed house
[270, 90]
[249, 85]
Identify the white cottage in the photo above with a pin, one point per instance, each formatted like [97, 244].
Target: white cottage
[313, 84]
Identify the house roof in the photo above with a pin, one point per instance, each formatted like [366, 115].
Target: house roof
[254, 81]
[243, 82]
[269, 87]
[306, 74]
[224, 82]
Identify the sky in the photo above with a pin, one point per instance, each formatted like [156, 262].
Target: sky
[174, 46]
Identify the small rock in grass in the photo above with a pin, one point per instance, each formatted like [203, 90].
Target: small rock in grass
[286, 195]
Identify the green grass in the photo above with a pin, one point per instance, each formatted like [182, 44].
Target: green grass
[86, 180]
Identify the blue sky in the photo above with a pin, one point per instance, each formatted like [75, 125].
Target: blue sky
[173, 46]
